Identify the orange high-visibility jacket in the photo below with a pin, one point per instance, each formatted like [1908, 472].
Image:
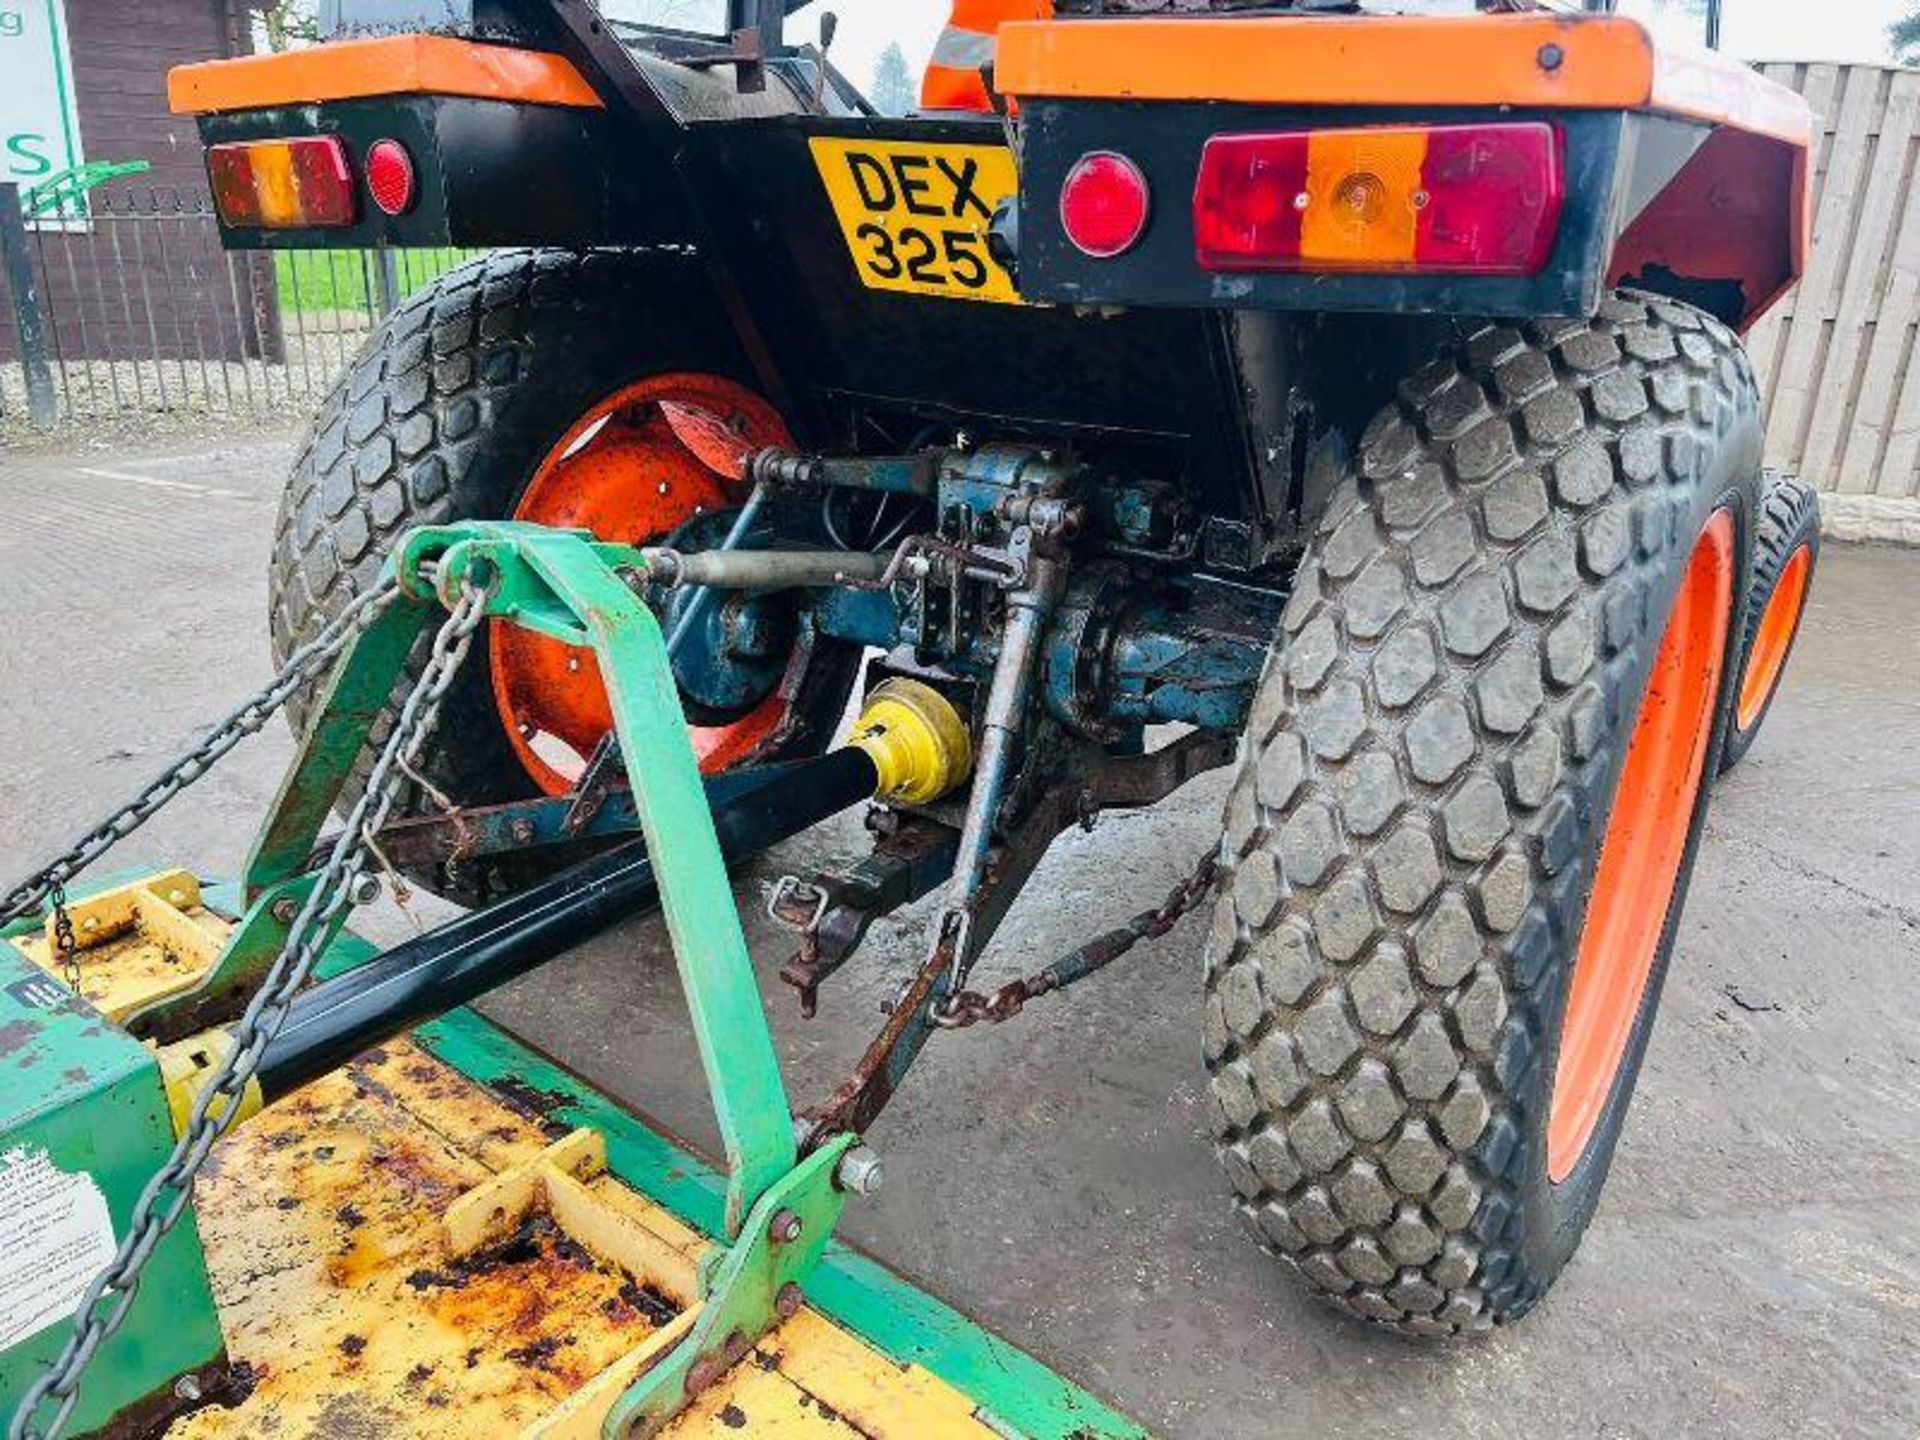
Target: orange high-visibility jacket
[953, 79]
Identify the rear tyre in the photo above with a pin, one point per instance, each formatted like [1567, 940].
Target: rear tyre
[1786, 552]
[478, 386]
[1512, 625]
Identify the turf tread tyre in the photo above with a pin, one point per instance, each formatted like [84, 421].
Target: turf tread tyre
[1428, 759]
[444, 415]
[1789, 517]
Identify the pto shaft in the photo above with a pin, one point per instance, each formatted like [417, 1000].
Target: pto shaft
[909, 745]
[449, 967]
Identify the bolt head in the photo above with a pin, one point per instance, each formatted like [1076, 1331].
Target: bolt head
[1551, 57]
[284, 910]
[786, 1227]
[701, 1375]
[187, 1387]
[788, 1301]
[860, 1171]
[366, 890]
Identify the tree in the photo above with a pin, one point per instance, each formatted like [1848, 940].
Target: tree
[282, 24]
[892, 89]
[1903, 35]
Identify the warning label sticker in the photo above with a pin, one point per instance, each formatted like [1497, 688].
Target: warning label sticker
[42, 992]
[55, 1236]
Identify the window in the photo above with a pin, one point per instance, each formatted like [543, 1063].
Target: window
[703, 17]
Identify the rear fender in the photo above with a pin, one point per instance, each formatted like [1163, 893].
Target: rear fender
[1727, 231]
[1687, 172]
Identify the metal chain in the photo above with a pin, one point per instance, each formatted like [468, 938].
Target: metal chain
[106, 1303]
[302, 667]
[66, 950]
[970, 1007]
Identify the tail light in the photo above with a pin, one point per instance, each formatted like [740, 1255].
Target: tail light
[283, 184]
[1455, 199]
[1104, 204]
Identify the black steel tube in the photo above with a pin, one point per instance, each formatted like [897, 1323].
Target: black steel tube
[461, 961]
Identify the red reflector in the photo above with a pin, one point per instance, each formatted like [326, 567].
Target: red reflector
[390, 176]
[1456, 199]
[1104, 204]
[295, 184]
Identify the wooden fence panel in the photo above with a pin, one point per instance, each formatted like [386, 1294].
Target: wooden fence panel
[1837, 360]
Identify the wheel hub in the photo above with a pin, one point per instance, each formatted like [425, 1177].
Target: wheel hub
[627, 473]
[737, 651]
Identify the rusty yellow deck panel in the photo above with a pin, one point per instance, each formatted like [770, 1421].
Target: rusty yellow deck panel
[326, 1222]
[137, 943]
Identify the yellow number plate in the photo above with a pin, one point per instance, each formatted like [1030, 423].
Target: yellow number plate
[915, 217]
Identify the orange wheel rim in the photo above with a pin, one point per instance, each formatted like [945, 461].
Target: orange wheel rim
[1645, 844]
[624, 473]
[1774, 638]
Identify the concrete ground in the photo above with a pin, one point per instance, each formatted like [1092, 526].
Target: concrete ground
[1755, 1269]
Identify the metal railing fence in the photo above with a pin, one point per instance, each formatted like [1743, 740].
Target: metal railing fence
[133, 309]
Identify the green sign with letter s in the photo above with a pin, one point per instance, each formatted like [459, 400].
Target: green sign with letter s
[39, 120]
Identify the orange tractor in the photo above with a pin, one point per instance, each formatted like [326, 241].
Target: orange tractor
[1355, 400]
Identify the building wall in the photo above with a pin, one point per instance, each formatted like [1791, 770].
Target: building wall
[148, 278]
[122, 50]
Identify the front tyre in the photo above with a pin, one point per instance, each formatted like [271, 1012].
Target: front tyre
[1472, 789]
[1786, 552]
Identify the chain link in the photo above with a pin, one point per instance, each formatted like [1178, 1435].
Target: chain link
[305, 665]
[105, 1305]
[66, 950]
[970, 1007]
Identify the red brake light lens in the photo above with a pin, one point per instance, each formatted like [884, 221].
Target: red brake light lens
[391, 178]
[297, 184]
[1451, 199]
[230, 172]
[1104, 204]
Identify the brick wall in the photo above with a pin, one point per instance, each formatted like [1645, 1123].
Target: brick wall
[122, 50]
[138, 288]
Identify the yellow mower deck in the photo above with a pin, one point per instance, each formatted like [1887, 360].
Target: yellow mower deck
[137, 944]
[451, 1236]
[338, 1225]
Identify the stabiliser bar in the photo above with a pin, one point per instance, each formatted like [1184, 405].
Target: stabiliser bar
[422, 979]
